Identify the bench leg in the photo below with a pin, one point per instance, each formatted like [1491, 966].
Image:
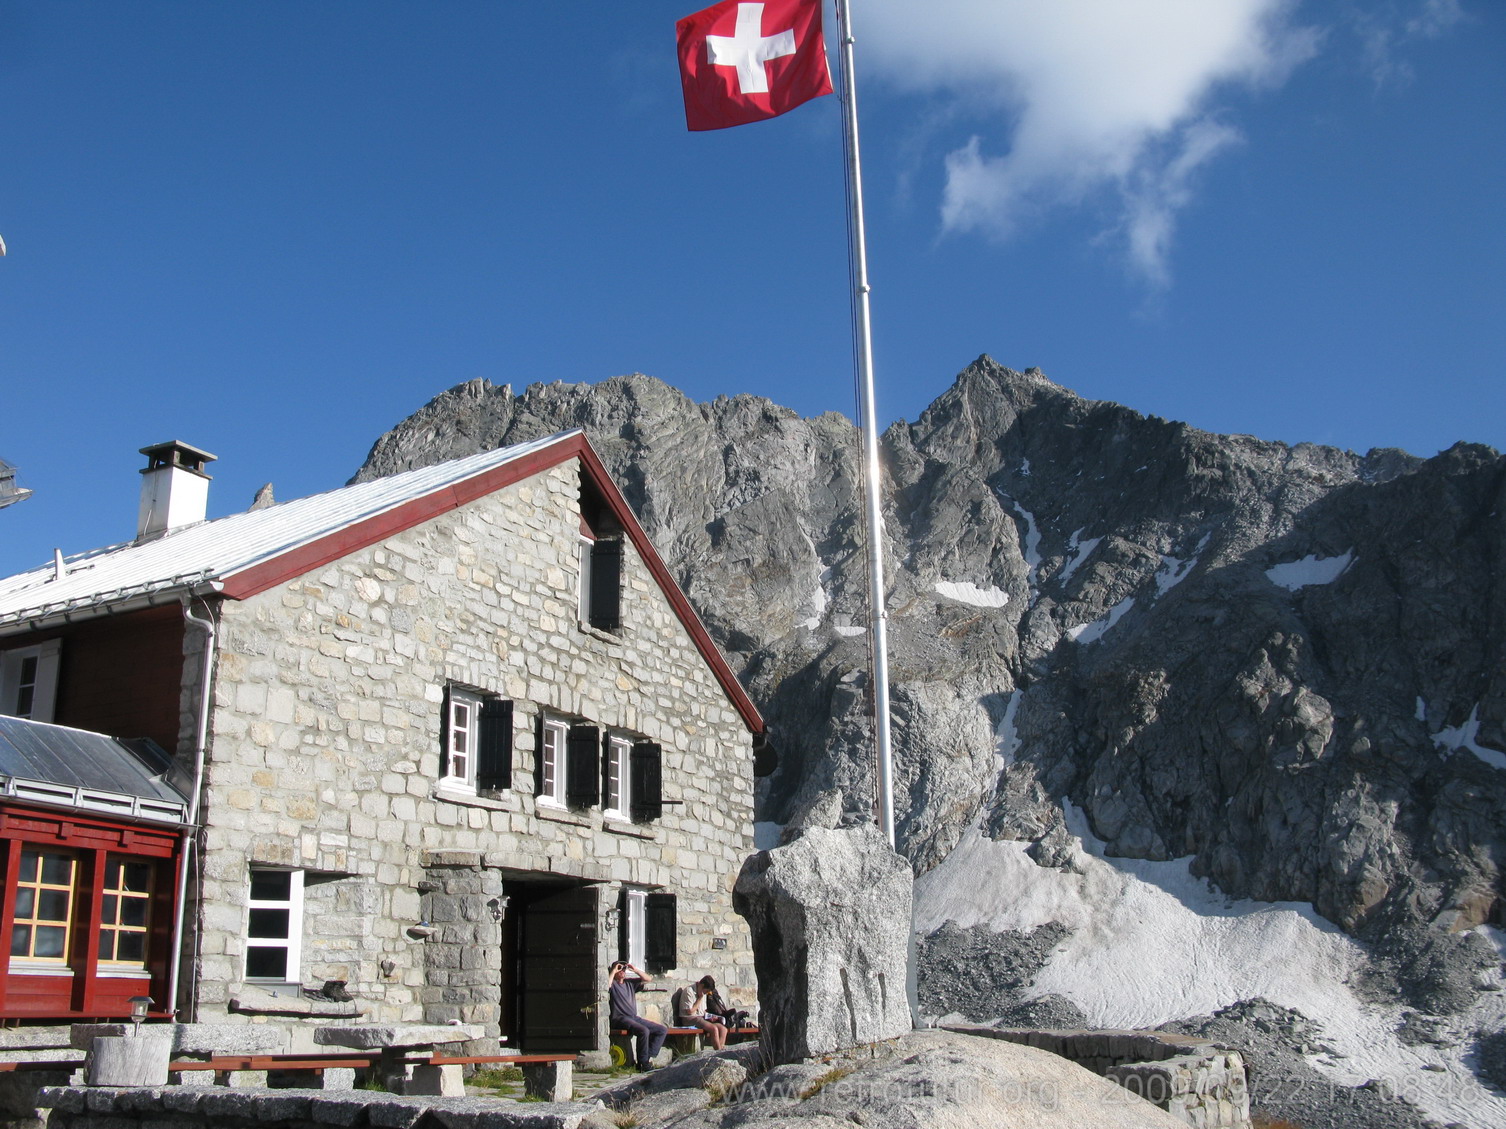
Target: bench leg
[436, 1081]
[241, 1079]
[549, 1081]
[338, 1078]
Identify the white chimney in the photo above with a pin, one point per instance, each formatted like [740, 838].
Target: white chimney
[174, 489]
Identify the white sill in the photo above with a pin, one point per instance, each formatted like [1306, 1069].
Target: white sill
[19, 966]
[126, 973]
[457, 786]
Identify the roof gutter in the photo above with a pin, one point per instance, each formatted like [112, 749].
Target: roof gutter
[200, 751]
[108, 605]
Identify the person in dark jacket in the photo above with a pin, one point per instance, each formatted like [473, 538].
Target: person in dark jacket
[622, 999]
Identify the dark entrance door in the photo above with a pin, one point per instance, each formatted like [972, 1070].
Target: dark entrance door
[557, 976]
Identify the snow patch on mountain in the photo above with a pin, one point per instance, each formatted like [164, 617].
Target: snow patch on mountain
[1077, 552]
[1172, 572]
[817, 602]
[1006, 736]
[966, 592]
[1031, 549]
[1467, 736]
[1086, 633]
[1150, 943]
[1309, 570]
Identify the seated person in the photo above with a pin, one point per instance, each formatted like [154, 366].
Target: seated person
[622, 998]
[715, 1005]
[690, 1011]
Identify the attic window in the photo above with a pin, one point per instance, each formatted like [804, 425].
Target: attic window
[28, 680]
[601, 556]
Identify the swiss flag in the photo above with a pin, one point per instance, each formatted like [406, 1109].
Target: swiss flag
[743, 62]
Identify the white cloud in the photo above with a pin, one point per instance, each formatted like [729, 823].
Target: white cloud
[1386, 28]
[1085, 97]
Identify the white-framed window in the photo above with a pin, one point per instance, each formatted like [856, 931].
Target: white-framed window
[637, 927]
[274, 925]
[462, 728]
[617, 799]
[552, 762]
[584, 595]
[28, 680]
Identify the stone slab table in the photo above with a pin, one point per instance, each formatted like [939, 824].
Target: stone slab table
[397, 1042]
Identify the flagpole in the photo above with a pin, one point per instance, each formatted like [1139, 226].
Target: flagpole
[863, 347]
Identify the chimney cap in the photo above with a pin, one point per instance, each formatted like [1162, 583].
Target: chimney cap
[176, 453]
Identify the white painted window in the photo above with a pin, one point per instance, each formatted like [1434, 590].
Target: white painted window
[461, 731]
[617, 778]
[274, 926]
[584, 595]
[28, 680]
[552, 763]
[637, 927]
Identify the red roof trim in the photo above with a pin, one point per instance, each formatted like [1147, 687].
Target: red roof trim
[362, 534]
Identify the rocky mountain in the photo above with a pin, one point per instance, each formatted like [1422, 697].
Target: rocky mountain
[1288, 663]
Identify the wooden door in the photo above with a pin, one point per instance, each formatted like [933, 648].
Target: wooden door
[558, 981]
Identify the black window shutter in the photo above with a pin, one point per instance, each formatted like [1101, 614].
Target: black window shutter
[444, 735]
[661, 946]
[648, 781]
[538, 754]
[606, 583]
[494, 746]
[583, 766]
[624, 926]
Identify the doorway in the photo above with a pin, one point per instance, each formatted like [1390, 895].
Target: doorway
[551, 983]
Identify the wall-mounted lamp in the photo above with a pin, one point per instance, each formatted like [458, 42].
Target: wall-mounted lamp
[498, 906]
[613, 916]
[140, 1005]
[420, 931]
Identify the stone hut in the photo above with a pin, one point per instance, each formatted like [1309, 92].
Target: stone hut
[446, 743]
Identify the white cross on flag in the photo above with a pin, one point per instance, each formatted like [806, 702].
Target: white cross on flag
[743, 62]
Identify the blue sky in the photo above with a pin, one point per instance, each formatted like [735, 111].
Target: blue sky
[274, 229]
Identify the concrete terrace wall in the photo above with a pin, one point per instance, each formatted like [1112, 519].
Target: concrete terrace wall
[326, 739]
[1201, 1083]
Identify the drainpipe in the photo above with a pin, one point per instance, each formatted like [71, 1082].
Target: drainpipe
[201, 746]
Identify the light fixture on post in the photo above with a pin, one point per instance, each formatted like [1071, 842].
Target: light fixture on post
[140, 1005]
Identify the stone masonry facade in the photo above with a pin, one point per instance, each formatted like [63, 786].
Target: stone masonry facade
[325, 753]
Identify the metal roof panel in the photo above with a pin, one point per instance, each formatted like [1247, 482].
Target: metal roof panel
[209, 551]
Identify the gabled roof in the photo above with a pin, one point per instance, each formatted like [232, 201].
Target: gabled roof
[54, 765]
[246, 553]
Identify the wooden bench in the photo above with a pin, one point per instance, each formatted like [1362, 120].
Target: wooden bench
[542, 1076]
[42, 1064]
[686, 1040]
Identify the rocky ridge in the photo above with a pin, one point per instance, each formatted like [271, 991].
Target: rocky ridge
[1288, 663]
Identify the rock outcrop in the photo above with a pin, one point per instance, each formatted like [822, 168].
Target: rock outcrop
[829, 912]
[1286, 662]
[923, 1080]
